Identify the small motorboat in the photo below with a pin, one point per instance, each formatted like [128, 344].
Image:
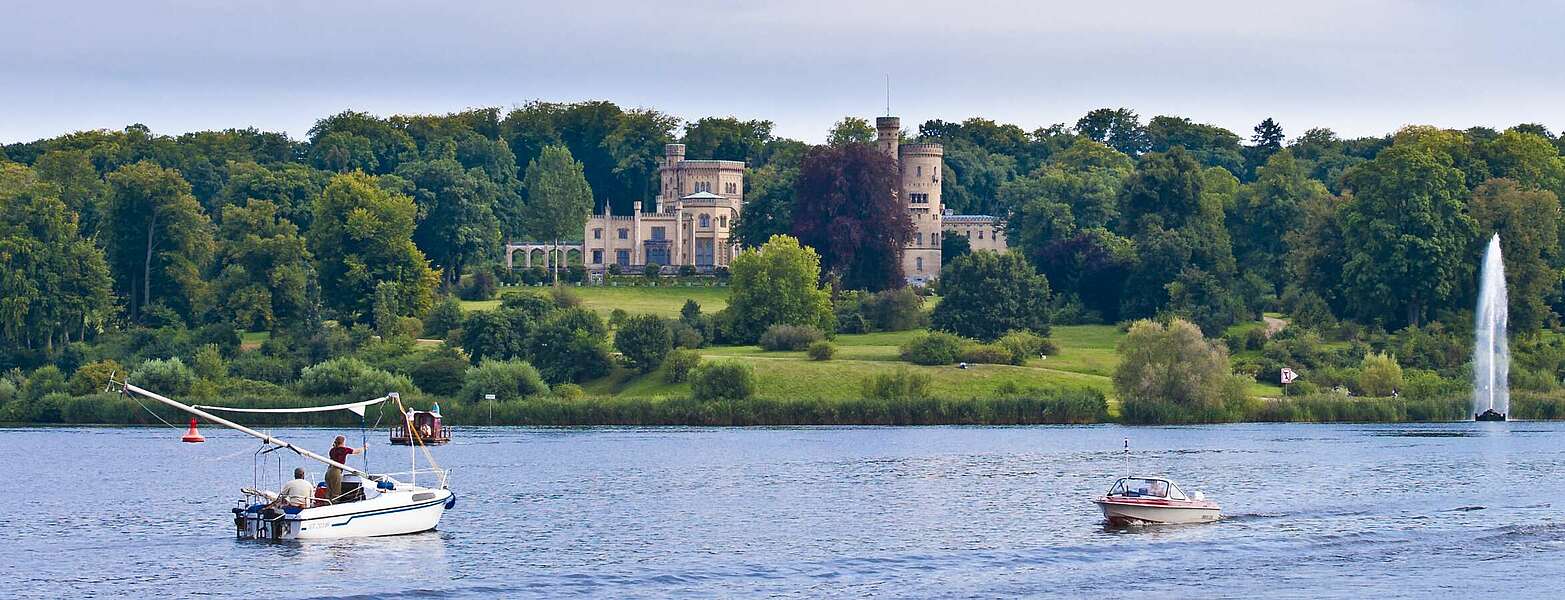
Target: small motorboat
[1489, 415]
[1154, 501]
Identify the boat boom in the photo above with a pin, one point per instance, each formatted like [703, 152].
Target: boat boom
[246, 430]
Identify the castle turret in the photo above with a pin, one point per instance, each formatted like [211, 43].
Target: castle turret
[673, 153]
[888, 130]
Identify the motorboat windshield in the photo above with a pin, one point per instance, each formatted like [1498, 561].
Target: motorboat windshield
[1146, 487]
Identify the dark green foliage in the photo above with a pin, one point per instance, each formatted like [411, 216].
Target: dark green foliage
[480, 286]
[644, 340]
[570, 347]
[351, 378]
[440, 374]
[446, 315]
[499, 334]
[260, 367]
[679, 365]
[934, 348]
[988, 294]
[723, 380]
[789, 337]
[1024, 345]
[652, 270]
[952, 245]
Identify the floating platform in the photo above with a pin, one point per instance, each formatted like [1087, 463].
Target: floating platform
[1489, 415]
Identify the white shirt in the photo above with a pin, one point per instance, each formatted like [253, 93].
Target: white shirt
[297, 491]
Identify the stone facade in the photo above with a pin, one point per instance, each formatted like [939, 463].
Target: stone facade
[698, 203]
[919, 190]
[700, 200]
[983, 232]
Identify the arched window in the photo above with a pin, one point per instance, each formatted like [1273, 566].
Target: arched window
[706, 221]
[722, 221]
[918, 263]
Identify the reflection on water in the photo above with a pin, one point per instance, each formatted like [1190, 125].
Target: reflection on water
[1317, 510]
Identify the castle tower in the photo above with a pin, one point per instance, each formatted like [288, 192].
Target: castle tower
[921, 173]
[887, 132]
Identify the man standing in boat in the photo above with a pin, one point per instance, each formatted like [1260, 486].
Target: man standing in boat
[339, 453]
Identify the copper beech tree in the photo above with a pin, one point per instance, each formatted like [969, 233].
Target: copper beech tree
[846, 207]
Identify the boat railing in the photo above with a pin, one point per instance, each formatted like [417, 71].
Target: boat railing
[442, 474]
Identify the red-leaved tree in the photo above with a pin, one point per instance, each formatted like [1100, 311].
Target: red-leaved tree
[846, 207]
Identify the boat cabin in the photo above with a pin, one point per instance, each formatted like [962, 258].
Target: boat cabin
[1147, 487]
[427, 430]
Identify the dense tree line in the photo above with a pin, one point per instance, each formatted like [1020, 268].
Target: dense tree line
[1124, 218]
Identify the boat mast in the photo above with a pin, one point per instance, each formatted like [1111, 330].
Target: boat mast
[241, 428]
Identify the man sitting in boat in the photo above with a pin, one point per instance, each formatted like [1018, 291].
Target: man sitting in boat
[296, 492]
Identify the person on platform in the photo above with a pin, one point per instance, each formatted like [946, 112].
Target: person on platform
[339, 453]
[297, 492]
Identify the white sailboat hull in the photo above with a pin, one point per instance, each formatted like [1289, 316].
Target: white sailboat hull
[395, 512]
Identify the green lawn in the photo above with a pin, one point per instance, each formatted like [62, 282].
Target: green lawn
[661, 301]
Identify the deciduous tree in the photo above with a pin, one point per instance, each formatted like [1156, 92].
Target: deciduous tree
[846, 207]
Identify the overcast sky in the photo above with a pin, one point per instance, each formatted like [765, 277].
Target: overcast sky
[1360, 67]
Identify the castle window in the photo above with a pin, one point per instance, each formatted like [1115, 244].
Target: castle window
[921, 170]
[980, 234]
[659, 233]
[706, 221]
[622, 257]
[597, 233]
[918, 239]
[624, 234]
[918, 198]
[918, 262]
[722, 221]
[934, 239]
[597, 257]
[731, 188]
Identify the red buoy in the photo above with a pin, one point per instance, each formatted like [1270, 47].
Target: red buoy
[191, 435]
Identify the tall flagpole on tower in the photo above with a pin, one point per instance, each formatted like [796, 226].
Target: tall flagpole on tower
[888, 94]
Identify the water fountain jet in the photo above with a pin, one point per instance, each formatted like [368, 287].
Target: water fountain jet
[1491, 354]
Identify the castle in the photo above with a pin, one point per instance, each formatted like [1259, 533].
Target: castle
[700, 200]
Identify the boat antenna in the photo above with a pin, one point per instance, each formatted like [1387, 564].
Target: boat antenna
[1127, 457]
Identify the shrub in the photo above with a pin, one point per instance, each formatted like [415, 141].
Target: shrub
[1172, 374]
[569, 391]
[570, 347]
[687, 270]
[574, 274]
[499, 334]
[617, 317]
[821, 350]
[652, 270]
[1379, 375]
[777, 284]
[167, 377]
[686, 335]
[208, 363]
[1022, 345]
[507, 380]
[679, 364]
[48, 379]
[895, 310]
[690, 311]
[351, 377]
[615, 269]
[564, 298]
[903, 384]
[724, 380]
[533, 304]
[441, 374]
[992, 354]
[644, 340]
[790, 337]
[93, 377]
[988, 294]
[934, 348]
[446, 315]
[480, 286]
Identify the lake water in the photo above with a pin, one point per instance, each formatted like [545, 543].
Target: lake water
[1314, 510]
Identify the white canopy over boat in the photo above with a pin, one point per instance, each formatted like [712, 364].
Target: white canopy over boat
[395, 507]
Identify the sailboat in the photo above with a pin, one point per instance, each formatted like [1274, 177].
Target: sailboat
[394, 508]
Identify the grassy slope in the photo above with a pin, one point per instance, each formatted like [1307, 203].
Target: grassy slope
[1086, 357]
